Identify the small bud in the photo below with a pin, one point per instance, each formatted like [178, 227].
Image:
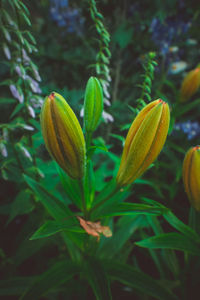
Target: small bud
[31, 111]
[144, 141]
[190, 84]
[107, 117]
[63, 135]
[3, 149]
[17, 93]
[24, 151]
[93, 104]
[7, 51]
[191, 176]
[27, 127]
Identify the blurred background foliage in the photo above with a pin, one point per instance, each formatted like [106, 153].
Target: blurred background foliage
[54, 45]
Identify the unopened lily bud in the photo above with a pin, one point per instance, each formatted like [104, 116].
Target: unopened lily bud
[93, 104]
[63, 135]
[190, 84]
[144, 141]
[191, 176]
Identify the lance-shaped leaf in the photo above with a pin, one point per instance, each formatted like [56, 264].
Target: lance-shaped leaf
[63, 135]
[144, 141]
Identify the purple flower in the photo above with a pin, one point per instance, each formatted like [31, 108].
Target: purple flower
[7, 51]
[31, 111]
[16, 94]
[34, 85]
[165, 33]
[189, 128]
[3, 150]
[66, 16]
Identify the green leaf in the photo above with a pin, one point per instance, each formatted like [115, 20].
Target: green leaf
[60, 273]
[106, 191]
[138, 280]
[123, 35]
[71, 187]
[180, 226]
[175, 222]
[57, 210]
[27, 249]
[4, 100]
[129, 209]
[118, 137]
[180, 109]
[92, 149]
[109, 202]
[126, 227]
[24, 7]
[15, 286]
[170, 241]
[98, 279]
[26, 19]
[21, 205]
[31, 37]
[17, 109]
[51, 227]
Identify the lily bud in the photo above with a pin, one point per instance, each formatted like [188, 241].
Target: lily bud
[93, 104]
[190, 84]
[144, 141]
[63, 135]
[191, 176]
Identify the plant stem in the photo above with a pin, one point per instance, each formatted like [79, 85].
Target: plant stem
[16, 155]
[85, 213]
[113, 192]
[88, 139]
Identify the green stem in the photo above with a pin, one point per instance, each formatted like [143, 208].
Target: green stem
[88, 139]
[111, 194]
[16, 155]
[85, 213]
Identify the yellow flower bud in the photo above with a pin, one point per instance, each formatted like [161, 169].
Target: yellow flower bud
[63, 135]
[191, 176]
[190, 85]
[144, 141]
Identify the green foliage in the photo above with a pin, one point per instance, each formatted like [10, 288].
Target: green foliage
[89, 239]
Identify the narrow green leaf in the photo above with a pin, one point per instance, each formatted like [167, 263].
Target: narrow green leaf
[17, 109]
[180, 226]
[27, 249]
[5, 101]
[185, 107]
[98, 279]
[71, 187]
[138, 280]
[129, 209]
[15, 286]
[26, 19]
[31, 37]
[24, 7]
[60, 273]
[125, 229]
[51, 227]
[21, 205]
[175, 222]
[57, 210]
[174, 241]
